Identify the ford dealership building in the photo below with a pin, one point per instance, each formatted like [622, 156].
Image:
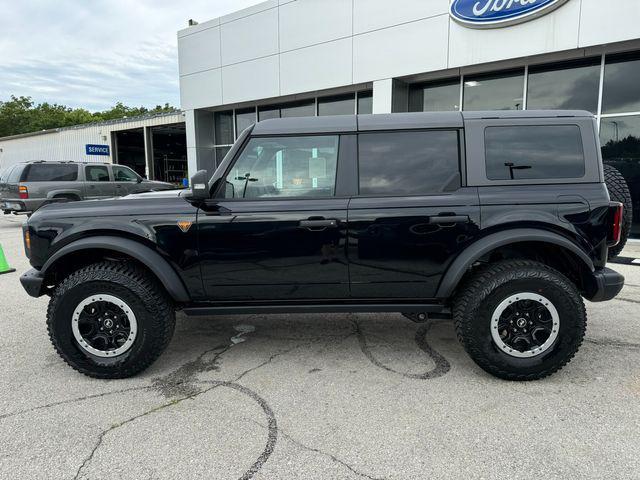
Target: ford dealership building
[286, 58]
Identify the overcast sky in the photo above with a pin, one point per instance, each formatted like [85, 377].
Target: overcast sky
[94, 53]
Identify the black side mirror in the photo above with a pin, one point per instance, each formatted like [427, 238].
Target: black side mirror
[200, 185]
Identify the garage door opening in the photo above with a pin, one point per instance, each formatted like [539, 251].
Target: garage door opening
[169, 144]
[129, 150]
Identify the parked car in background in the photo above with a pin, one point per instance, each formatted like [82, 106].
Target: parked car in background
[25, 187]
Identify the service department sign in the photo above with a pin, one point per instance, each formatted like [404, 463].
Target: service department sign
[500, 13]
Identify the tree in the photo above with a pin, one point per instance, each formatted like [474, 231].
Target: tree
[21, 115]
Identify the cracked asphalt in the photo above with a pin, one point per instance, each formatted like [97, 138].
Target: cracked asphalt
[316, 396]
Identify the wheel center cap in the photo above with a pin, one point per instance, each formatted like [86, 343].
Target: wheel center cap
[108, 323]
[521, 322]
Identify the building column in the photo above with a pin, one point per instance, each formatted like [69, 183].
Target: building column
[148, 152]
[200, 142]
[390, 96]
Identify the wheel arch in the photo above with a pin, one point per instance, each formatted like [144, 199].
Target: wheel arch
[517, 240]
[87, 248]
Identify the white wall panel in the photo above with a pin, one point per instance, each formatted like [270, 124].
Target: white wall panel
[201, 89]
[403, 50]
[250, 37]
[251, 80]
[313, 21]
[200, 51]
[313, 68]
[555, 31]
[610, 21]
[374, 14]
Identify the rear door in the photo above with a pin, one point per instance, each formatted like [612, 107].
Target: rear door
[412, 216]
[126, 180]
[98, 183]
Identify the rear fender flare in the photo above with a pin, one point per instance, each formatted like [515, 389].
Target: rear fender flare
[485, 245]
[145, 255]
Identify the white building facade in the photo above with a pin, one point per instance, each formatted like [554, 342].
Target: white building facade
[314, 57]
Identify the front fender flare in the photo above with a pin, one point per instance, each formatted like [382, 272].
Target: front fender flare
[475, 251]
[145, 255]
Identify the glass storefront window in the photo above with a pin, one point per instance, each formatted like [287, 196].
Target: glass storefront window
[265, 113]
[299, 109]
[223, 127]
[620, 139]
[365, 102]
[502, 91]
[337, 105]
[244, 119]
[620, 89]
[435, 97]
[569, 86]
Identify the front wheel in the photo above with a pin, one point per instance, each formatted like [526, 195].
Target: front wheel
[110, 320]
[519, 319]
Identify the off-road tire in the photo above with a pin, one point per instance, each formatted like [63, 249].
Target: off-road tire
[155, 316]
[619, 192]
[477, 299]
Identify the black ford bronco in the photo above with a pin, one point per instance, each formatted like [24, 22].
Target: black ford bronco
[499, 220]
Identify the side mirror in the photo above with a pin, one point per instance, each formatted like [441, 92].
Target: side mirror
[200, 185]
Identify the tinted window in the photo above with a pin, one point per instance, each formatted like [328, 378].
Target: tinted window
[365, 102]
[124, 174]
[284, 167]
[620, 87]
[51, 172]
[301, 109]
[534, 152]
[97, 173]
[339, 105]
[4, 175]
[440, 97]
[494, 92]
[244, 119]
[572, 86]
[223, 127]
[15, 174]
[408, 163]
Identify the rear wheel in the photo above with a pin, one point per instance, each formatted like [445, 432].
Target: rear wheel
[110, 320]
[519, 319]
[619, 192]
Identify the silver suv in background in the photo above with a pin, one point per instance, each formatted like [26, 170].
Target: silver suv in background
[25, 187]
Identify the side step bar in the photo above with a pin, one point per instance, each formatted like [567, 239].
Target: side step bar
[440, 311]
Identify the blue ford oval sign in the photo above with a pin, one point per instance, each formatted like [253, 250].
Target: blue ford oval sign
[500, 13]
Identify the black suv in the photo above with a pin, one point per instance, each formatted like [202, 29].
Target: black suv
[499, 220]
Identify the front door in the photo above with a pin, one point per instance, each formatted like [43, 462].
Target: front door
[126, 180]
[412, 216]
[97, 183]
[276, 230]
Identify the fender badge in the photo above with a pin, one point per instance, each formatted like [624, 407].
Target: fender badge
[184, 226]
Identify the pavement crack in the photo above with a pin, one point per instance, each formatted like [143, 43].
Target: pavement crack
[622, 299]
[609, 342]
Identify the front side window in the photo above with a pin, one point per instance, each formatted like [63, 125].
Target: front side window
[534, 152]
[124, 174]
[284, 167]
[408, 163]
[52, 172]
[97, 173]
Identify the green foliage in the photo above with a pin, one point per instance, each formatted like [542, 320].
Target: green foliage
[22, 115]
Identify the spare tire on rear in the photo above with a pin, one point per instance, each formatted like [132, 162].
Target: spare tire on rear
[619, 192]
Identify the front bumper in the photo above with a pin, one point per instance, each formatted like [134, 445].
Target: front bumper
[608, 284]
[32, 282]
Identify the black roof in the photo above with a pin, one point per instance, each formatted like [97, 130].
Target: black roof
[396, 121]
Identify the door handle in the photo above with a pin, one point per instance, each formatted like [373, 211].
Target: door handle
[318, 224]
[448, 219]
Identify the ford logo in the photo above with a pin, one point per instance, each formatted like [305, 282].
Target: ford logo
[500, 13]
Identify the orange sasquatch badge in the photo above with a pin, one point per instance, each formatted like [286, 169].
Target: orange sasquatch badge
[184, 225]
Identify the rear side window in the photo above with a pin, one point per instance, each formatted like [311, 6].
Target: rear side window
[15, 174]
[96, 173]
[534, 152]
[51, 172]
[408, 163]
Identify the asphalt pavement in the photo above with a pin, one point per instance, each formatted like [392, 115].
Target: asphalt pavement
[340, 396]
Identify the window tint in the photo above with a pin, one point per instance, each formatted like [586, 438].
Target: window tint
[408, 163]
[436, 97]
[15, 174]
[494, 92]
[223, 127]
[244, 119]
[534, 152]
[124, 174]
[97, 173]
[51, 172]
[365, 102]
[4, 174]
[620, 87]
[284, 167]
[338, 105]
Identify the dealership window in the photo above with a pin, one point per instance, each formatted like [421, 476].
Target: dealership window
[620, 89]
[408, 163]
[620, 139]
[502, 91]
[568, 86]
[223, 130]
[435, 97]
[285, 167]
[534, 152]
[244, 119]
[337, 105]
[365, 102]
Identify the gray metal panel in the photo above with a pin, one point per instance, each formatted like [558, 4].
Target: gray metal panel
[525, 114]
[397, 121]
[298, 125]
[475, 146]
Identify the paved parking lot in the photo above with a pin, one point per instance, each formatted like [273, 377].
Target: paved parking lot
[316, 396]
